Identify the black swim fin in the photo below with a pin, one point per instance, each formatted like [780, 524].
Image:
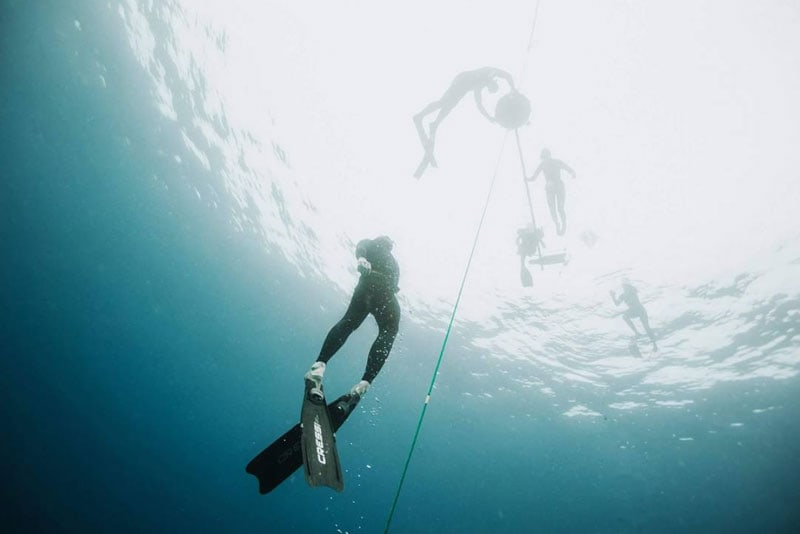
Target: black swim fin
[318, 445]
[525, 276]
[283, 456]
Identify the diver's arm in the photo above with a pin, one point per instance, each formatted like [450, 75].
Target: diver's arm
[535, 173]
[361, 248]
[506, 76]
[364, 266]
[479, 103]
[614, 297]
[567, 168]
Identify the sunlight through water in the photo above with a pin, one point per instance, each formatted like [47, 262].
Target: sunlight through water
[687, 189]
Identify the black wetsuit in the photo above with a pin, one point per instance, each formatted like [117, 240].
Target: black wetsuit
[374, 294]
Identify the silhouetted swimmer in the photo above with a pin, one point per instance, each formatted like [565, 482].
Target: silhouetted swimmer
[635, 309]
[554, 187]
[374, 294]
[472, 80]
[529, 243]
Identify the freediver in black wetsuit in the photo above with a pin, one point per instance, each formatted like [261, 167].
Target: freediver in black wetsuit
[374, 294]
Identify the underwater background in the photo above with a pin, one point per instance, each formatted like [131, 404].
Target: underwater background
[182, 188]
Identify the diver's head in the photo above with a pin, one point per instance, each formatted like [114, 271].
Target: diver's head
[626, 284]
[491, 85]
[545, 153]
[384, 243]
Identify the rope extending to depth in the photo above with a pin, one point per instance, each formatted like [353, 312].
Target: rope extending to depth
[530, 43]
[527, 191]
[446, 335]
[463, 283]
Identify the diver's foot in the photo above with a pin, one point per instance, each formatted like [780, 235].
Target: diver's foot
[429, 154]
[427, 159]
[314, 375]
[360, 388]
[431, 157]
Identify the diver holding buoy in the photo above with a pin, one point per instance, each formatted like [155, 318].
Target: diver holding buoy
[551, 167]
[472, 80]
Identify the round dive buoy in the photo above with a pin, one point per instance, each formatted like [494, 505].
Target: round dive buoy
[513, 110]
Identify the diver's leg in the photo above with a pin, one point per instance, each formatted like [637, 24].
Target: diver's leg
[627, 317]
[560, 198]
[646, 323]
[387, 315]
[447, 106]
[356, 313]
[551, 205]
[419, 117]
[426, 138]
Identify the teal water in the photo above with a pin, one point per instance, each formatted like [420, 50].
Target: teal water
[152, 344]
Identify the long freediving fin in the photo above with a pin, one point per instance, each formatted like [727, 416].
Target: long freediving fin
[525, 276]
[283, 456]
[318, 444]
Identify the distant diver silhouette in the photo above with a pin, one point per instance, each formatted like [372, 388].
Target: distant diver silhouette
[529, 243]
[554, 187]
[635, 309]
[472, 80]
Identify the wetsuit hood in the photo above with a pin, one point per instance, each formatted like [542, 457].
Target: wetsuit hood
[384, 243]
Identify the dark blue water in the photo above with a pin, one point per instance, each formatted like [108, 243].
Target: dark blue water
[150, 349]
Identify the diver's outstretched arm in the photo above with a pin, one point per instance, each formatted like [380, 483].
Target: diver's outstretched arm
[614, 297]
[535, 173]
[479, 103]
[506, 76]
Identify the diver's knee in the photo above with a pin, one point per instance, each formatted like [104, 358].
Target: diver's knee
[345, 325]
[390, 330]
